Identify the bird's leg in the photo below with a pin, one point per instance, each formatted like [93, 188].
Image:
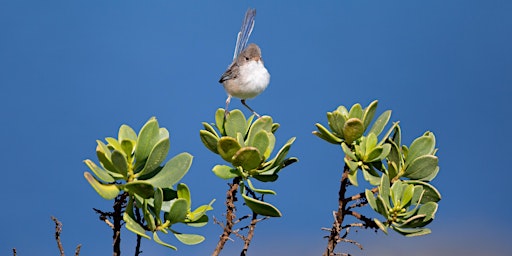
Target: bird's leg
[226, 111]
[254, 112]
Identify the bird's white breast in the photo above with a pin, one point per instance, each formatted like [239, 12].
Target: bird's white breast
[252, 80]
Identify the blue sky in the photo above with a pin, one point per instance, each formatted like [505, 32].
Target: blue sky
[72, 72]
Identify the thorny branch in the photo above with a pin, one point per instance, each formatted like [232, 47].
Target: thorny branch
[116, 223]
[344, 209]
[58, 230]
[230, 215]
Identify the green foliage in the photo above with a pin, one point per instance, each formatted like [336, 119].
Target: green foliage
[247, 146]
[405, 198]
[134, 164]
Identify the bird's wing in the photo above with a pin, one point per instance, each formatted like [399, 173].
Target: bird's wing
[231, 73]
[245, 32]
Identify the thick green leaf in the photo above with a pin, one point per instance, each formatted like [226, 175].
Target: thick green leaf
[432, 175]
[264, 123]
[219, 120]
[99, 172]
[370, 142]
[380, 123]
[429, 209]
[199, 212]
[107, 191]
[381, 226]
[336, 121]
[352, 177]
[382, 207]
[275, 126]
[352, 165]
[134, 227]
[407, 194]
[201, 222]
[248, 158]
[356, 111]
[421, 146]
[384, 189]
[260, 207]
[326, 135]
[374, 155]
[158, 201]
[189, 239]
[421, 167]
[371, 176]
[173, 171]
[348, 151]
[283, 152]
[104, 156]
[142, 188]
[227, 147]
[184, 193]
[431, 193]
[260, 141]
[225, 172]
[126, 133]
[127, 147]
[371, 199]
[209, 140]
[113, 143]
[240, 139]
[396, 192]
[369, 113]
[235, 122]
[148, 217]
[159, 241]
[178, 211]
[148, 136]
[261, 191]
[157, 154]
[412, 232]
[120, 163]
[353, 130]
[271, 144]
[266, 178]
[210, 129]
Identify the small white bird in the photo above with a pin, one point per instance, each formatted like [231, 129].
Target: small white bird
[246, 77]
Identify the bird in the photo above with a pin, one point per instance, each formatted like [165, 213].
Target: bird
[247, 76]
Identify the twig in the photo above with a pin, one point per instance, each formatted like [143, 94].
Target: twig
[230, 215]
[77, 250]
[137, 246]
[367, 222]
[104, 217]
[250, 234]
[58, 230]
[117, 216]
[360, 195]
[334, 236]
[13, 251]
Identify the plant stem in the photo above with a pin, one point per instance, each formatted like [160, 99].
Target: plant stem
[250, 234]
[138, 218]
[230, 215]
[58, 230]
[117, 218]
[77, 250]
[334, 236]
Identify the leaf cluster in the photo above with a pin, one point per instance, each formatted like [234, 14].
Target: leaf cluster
[134, 164]
[247, 147]
[402, 173]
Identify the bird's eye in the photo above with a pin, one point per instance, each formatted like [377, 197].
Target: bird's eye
[246, 58]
